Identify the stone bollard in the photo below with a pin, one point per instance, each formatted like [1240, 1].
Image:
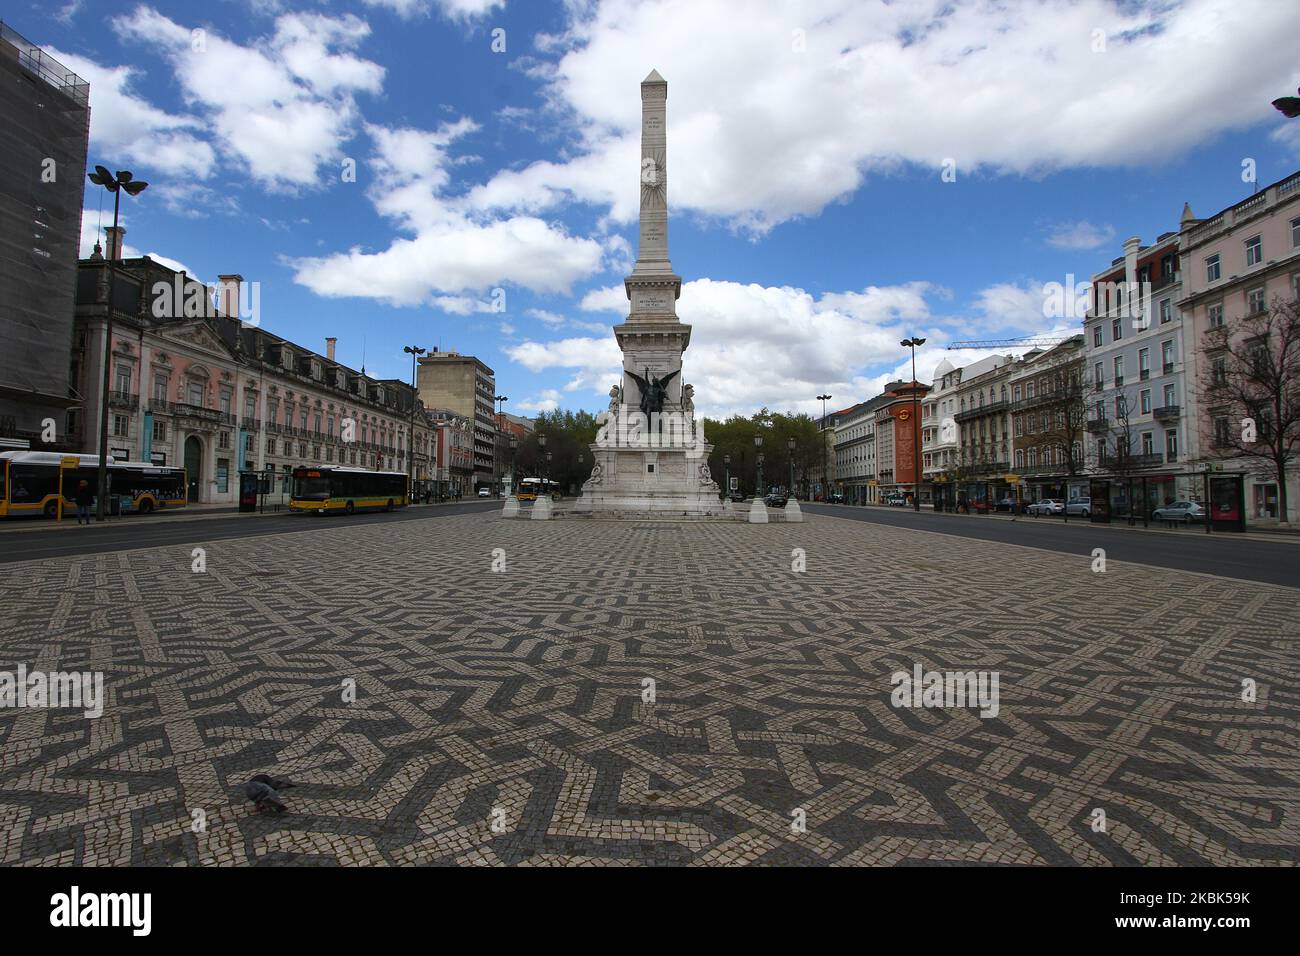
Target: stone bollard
[792, 511]
[758, 512]
[542, 508]
[511, 510]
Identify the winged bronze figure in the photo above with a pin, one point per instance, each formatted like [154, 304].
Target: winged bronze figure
[653, 390]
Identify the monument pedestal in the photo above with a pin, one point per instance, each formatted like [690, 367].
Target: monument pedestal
[665, 482]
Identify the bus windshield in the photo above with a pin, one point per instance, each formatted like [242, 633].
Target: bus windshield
[312, 489]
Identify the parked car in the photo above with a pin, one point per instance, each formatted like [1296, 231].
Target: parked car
[1079, 506]
[1184, 511]
[737, 496]
[1011, 506]
[896, 500]
[1047, 506]
[485, 492]
[774, 500]
[837, 499]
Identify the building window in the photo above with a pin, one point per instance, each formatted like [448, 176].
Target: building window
[1219, 370]
[1146, 401]
[1254, 251]
[1096, 337]
[1171, 445]
[1119, 370]
[1254, 301]
[1166, 357]
[1166, 311]
[1116, 329]
[315, 452]
[1148, 443]
[248, 442]
[123, 380]
[121, 426]
[196, 394]
[1098, 377]
[1144, 364]
[223, 439]
[270, 446]
[160, 390]
[223, 475]
[1295, 232]
[1215, 313]
[1170, 396]
[1212, 268]
[1121, 407]
[159, 431]
[225, 402]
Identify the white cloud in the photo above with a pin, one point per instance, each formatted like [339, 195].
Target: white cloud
[761, 131]
[1080, 235]
[282, 106]
[129, 129]
[548, 400]
[453, 9]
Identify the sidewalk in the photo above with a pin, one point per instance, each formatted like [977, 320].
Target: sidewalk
[192, 512]
[1287, 535]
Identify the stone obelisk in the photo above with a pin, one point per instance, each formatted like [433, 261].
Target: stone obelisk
[650, 456]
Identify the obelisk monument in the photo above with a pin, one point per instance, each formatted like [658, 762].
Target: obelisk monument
[650, 455]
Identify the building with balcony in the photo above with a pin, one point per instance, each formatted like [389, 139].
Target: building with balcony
[940, 448]
[855, 452]
[1140, 367]
[1236, 264]
[218, 395]
[983, 421]
[44, 129]
[1048, 412]
[466, 387]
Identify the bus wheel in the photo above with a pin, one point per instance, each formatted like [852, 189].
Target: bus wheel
[51, 509]
[146, 507]
[390, 505]
[349, 508]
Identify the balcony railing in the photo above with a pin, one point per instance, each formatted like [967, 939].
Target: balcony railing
[1167, 412]
[120, 399]
[1167, 368]
[1098, 424]
[203, 414]
[1144, 374]
[1148, 460]
[991, 408]
[252, 424]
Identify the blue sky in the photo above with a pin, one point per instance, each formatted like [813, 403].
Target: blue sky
[810, 220]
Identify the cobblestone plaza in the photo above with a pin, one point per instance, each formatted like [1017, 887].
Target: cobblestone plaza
[606, 692]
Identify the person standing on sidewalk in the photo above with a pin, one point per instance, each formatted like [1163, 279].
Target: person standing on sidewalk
[84, 498]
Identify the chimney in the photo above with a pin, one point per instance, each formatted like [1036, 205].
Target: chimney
[114, 237]
[228, 295]
[330, 342]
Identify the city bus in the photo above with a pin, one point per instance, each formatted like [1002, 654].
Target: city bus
[530, 488]
[29, 483]
[329, 489]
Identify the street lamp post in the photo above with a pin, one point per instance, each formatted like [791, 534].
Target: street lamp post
[123, 182]
[912, 343]
[758, 466]
[514, 477]
[790, 443]
[726, 463]
[415, 353]
[826, 468]
[501, 407]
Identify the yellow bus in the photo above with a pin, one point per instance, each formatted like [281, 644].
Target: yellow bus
[530, 488]
[30, 480]
[328, 489]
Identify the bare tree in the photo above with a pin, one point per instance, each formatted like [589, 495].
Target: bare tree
[1252, 384]
[1067, 414]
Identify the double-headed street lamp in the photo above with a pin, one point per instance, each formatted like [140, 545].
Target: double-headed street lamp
[826, 468]
[123, 182]
[912, 343]
[415, 352]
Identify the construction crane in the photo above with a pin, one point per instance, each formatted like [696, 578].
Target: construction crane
[1024, 340]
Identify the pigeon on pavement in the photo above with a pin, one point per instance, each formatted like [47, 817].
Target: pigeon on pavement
[273, 783]
[264, 796]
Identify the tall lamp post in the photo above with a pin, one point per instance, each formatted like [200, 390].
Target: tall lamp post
[541, 445]
[726, 463]
[790, 444]
[415, 352]
[826, 468]
[912, 343]
[758, 465]
[123, 182]
[501, 399]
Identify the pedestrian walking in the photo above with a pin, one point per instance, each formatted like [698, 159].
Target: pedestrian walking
[84, 498]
